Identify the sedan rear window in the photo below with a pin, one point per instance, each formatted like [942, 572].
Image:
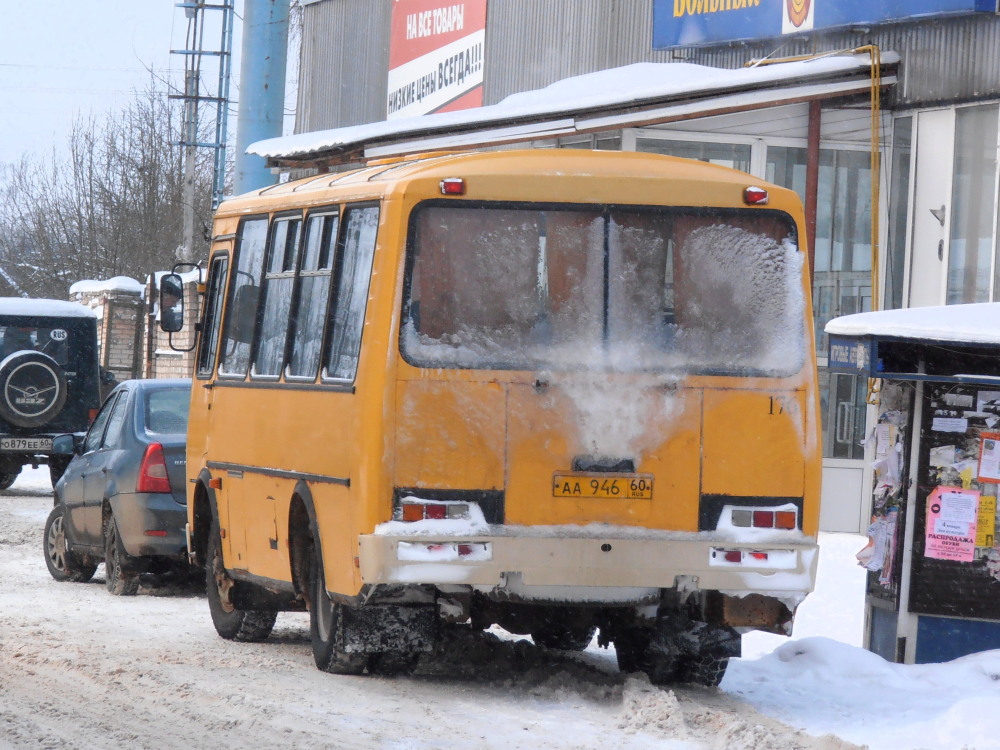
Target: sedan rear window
[167, 411]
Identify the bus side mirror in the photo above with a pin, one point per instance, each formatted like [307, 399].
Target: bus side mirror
[171, 303]
[244, 313]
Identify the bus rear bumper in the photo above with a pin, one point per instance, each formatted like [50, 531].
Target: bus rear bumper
[591, 569]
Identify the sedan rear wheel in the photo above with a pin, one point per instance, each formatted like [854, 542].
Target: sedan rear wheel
[119, 579]
[63, 565]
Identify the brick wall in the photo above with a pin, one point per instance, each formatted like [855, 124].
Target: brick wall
[130, 341]
[160, 349]
[120, 315]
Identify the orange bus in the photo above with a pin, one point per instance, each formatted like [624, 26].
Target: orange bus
[566, 392]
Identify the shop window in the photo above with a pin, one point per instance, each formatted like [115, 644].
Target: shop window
[843, 405]
[974, 183]
[735, 155]
[842, 272]
[899, 197]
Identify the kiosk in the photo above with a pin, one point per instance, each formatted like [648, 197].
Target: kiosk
[933, 587]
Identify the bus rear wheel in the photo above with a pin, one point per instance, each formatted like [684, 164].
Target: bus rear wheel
[326, 626]
[230, 622]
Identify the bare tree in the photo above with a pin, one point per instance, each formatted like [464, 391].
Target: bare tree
[110, 206]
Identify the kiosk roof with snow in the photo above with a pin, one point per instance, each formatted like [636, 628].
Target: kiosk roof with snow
[948, 343]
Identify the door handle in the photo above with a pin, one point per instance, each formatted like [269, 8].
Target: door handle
[938, 213]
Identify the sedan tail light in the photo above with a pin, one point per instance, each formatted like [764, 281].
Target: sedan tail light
[153, 471]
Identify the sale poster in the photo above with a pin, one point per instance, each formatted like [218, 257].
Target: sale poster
[952, 514]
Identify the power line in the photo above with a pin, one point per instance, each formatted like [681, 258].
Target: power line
[83, 68]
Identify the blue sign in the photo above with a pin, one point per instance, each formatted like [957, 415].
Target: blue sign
[849, 354]
[678, 23]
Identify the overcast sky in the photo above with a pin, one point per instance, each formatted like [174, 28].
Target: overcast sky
[60, 59]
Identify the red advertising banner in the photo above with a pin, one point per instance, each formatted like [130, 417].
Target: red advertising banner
[435, 56]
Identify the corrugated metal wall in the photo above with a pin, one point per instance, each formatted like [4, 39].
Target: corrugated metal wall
[344, 63]
[531, 43]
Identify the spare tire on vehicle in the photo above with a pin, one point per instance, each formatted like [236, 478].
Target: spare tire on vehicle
[32, 389]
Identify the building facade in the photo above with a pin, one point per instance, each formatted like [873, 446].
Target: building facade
[925, 221]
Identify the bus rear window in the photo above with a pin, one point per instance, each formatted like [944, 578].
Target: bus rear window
[621, 288]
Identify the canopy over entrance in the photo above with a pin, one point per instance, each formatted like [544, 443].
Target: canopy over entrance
[949, 343]
[630, 96]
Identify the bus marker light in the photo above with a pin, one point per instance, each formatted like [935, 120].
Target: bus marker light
[755, 196]
[411, 511]
[452, 186]
[785, 519]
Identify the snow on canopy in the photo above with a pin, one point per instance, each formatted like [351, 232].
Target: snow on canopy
[977, 323]
[617, 87]
[116, 284]
[44, 308]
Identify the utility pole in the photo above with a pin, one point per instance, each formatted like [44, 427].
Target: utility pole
[262, 87]
[194, 52]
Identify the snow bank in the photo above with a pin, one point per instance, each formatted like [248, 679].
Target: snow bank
[116, 284]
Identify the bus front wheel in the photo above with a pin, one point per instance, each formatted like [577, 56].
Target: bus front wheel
[326, 626]
[230, 622]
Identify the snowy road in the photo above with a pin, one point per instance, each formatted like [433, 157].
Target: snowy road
[82, 669]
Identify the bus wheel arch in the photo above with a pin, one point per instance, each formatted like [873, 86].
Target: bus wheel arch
[303, 537]
[204, 512]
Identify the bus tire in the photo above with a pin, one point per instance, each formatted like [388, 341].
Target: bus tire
[326, 624]
[231, 623]
[637, 652]
[707, 670]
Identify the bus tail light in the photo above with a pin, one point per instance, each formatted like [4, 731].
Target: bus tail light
[423, 509]
[444, 551]
[452, 186]
[769, 518]
[153, 471]
[769, 559]
[755, 196]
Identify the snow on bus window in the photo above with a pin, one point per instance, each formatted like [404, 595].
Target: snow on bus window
[622, 288]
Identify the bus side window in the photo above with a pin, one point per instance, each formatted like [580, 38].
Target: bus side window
[312, 296]
[282, 260]
[213, 316]
[250, 245]
[354, 270]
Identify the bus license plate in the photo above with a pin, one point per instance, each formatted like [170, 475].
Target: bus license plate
[603, 486]
[25, 444]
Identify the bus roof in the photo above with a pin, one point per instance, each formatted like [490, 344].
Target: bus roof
[381, 177]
